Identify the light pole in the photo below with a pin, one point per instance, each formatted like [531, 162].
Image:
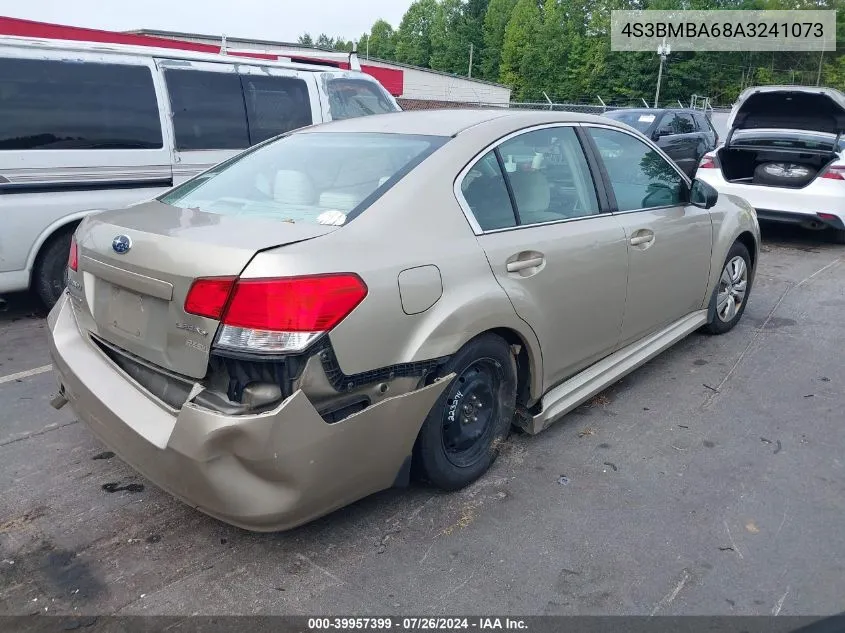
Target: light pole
[663, 50]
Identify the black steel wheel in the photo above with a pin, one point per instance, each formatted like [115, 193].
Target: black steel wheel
[460, 438]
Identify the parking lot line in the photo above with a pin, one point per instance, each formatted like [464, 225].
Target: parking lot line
[25, 374]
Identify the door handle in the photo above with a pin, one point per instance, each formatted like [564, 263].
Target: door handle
[639, 240]
[523, 264]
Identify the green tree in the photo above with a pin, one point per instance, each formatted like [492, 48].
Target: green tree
[471, 28]
[324, 41]
[447, 40]
[493, 35]
[520, 32]
[305, 40]
[382, 40]
[342, 44]
[413, 39]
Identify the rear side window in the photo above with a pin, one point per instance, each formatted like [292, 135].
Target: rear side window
[677, 123]
[46, 104]
[208, 110]
[275, 105]
[549, 176]
[487, 196]
[349, 98]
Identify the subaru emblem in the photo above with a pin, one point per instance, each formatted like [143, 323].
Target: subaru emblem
[121, 244]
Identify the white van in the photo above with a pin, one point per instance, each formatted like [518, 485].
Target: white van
[86, 127]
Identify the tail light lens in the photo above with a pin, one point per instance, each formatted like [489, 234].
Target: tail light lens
[709, 161]
[207, 297]
[73, 255]
[275, 315]
[834, 172]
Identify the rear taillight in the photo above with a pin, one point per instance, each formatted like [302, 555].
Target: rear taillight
[73, 255]
[709, 161]
[834, 172]
[275, 315]
[207, 297]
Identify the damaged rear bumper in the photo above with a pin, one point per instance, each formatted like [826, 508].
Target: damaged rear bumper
[263, 472]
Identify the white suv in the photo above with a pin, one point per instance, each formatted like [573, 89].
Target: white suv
[784, 154]
[87, 126]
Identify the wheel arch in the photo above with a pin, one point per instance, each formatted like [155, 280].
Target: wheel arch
[527, 354]
[64, 223]
[747, 239]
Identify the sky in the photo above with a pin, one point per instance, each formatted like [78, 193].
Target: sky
[282, 20]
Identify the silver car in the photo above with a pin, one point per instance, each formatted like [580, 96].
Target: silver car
[332, 311]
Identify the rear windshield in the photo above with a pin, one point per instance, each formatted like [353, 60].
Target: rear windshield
[349, 98]
[787, 139]
[638, 120]
[323, 178]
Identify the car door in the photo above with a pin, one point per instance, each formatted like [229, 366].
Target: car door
[677, 136]
[669, 240]
[707, 130]
[562, 262]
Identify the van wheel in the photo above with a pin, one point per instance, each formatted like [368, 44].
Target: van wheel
[461, 436]
[730, 296]
[50, 275]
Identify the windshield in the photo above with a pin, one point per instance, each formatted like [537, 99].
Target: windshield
[788, 139]
[637, 119]
[318, 178]
[350, 98]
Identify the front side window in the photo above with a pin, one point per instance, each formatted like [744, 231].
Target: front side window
[208, 110]
[549, 176]
[306, 177]
[639, 177]
[51, 104]
[349, 98]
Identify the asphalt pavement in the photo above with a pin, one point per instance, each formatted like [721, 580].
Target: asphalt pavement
[710, 481]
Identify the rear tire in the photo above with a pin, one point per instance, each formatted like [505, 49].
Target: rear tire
[730, 296]
[838, 236]
[50, 275]
[460, 438]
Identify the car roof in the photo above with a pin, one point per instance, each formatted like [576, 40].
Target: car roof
[450, 122]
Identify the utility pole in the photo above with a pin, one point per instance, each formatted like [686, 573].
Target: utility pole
[368, 48]
[819, 76]
[663, 50]
[469, 74]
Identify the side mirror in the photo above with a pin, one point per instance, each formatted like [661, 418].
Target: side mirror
[702, 195]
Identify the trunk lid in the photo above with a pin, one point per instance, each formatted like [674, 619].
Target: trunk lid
[789, 107]
[135, 299]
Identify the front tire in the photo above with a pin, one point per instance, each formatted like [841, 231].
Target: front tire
[460, 438]
[50, 275]
[730, 296]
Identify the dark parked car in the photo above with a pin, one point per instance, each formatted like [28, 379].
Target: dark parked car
[685, 135]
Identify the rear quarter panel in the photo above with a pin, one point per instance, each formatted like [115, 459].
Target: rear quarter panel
[417, 223]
